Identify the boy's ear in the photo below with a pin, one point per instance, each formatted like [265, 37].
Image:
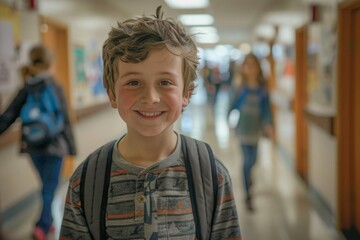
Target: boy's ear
[186, 98]
[112, 98]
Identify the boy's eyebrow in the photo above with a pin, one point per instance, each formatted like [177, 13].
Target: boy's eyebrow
[167, 73]
[138, 73]
[129, 73]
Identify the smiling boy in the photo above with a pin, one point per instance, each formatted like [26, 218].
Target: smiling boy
[149, 71]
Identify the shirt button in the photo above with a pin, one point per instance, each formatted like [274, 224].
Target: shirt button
[141, 198]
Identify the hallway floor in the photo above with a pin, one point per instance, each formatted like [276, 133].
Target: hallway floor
[283, 209]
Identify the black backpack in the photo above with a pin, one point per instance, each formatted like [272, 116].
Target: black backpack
[202, 179]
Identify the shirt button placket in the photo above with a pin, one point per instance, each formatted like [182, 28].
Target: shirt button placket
[139, 201]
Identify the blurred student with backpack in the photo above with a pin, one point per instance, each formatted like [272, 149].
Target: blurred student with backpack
[252, 101]
[46, 132]
[152, 182]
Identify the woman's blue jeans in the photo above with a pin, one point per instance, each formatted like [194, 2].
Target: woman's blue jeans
[49, 168]
[249, 158]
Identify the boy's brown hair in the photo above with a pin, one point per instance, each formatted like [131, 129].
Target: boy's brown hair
[132, 40]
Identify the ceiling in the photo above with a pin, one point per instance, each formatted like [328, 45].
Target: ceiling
[237, 21]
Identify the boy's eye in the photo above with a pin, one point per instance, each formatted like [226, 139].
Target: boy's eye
[165, 83]
[133, 83]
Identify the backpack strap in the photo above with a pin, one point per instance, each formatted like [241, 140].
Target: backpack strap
[95, 178]
[241, 96]
[203, 185]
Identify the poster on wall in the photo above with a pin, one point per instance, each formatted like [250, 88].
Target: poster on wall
[328, 55]
[89, 87]
[322, 57]
[79, 53]
[8, 79]
[94, 73]
[80, 76]
[10, 15]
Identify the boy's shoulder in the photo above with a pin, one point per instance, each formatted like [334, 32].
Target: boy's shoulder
[223, 174]
[220, 166]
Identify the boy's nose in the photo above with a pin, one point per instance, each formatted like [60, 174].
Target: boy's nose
[150, 95]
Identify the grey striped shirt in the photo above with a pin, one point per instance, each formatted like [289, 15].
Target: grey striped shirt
[150, 203]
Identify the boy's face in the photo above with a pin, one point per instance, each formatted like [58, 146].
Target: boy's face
[149, 95]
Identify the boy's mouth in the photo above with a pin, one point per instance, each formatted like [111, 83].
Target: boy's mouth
[149, 114]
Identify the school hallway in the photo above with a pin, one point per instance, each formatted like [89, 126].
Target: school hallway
[284, 207]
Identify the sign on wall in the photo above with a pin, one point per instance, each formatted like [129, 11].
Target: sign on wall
[8, 64]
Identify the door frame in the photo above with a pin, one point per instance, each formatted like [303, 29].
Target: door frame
[347, 201]
[301, 141]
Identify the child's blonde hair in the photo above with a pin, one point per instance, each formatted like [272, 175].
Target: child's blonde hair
[132, 40]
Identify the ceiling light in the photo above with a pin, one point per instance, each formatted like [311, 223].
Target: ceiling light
[245, 48]
[266, 31]
[203, 30]
[196, 19]
[205, 34]
[207, 39]
[183, 4]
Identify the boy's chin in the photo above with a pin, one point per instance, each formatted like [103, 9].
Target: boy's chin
[151, 133]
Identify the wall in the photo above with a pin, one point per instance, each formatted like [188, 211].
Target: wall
[323, 165]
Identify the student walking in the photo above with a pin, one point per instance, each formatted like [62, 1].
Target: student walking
[149, 71]
[252, 101]
[41, 101]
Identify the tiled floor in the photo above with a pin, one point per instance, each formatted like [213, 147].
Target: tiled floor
[283, 210]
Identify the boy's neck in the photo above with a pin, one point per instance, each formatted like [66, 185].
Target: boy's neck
[145, 151]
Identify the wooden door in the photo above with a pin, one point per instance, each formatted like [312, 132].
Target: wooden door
[356, 122]
[55, 36]
[348, 117]
[301, 142]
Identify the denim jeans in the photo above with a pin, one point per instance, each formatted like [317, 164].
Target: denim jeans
[249, 158]
[49, 168]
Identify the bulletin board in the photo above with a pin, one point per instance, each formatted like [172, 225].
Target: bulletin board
[9, 43]
[322, 60]
[11, 15]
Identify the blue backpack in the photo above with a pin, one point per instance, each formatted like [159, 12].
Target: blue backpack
[41, 115]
